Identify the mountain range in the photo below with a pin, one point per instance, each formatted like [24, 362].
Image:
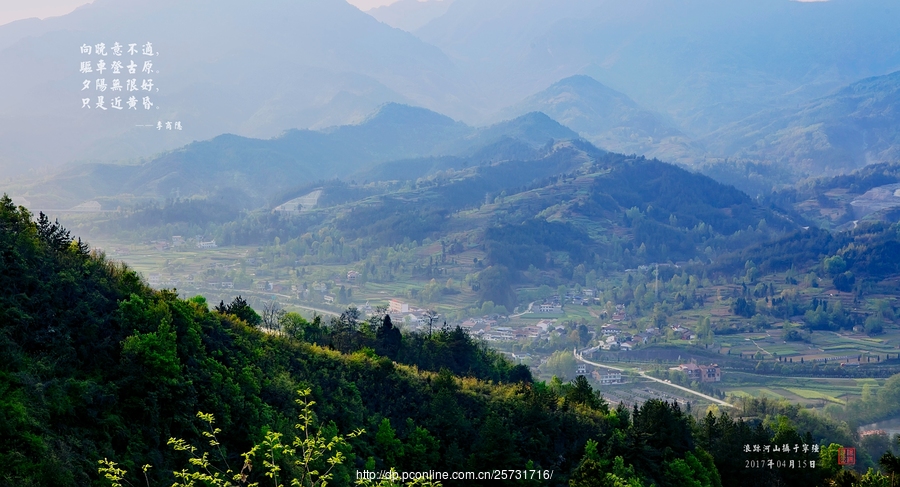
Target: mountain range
[703, 63]
[854, 126]
[609, 119]
[259, 70]
[410, 15]
[857, 125]
[219, 67]
[260, 168]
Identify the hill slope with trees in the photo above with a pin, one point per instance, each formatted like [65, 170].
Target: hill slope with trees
[97, 365]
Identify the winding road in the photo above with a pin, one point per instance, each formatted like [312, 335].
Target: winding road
[644, 375]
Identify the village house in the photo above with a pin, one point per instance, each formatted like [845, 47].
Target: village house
[352, 276]
[607, 376]
[397, 306]
[503, 333]
[610, 343]
[544, 325]
[522, 357]
[531, 331]
[550, 308]
[643, 337]
[701, 373]
[609, 329]
[468, 325]
[207, 245]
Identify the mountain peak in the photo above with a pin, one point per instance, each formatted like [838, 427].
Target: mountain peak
[585, 87]
[535, 118]
[398, 113]
[533, 127]
[410, 15]
[605, 117]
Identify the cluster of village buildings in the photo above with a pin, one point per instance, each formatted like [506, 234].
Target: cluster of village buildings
[554, 304]
[490, 328]
[613, 337]
[494, 327]
[179, 242]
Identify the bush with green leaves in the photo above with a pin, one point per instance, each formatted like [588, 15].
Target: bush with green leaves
[311, 456]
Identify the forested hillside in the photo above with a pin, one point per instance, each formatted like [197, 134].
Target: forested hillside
[843, 131]
[96, 365]
[630, 210]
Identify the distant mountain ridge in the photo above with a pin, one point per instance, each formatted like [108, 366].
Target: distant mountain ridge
[609, 119]
[222, 67]
[410, 15]
[258, 69]
[857, 125]
[703, 63]
[254, 169]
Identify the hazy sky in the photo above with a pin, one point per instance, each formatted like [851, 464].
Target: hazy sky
[11, 10]
[367, 4]
[22, 9]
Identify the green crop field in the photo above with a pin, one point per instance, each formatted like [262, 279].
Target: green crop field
[803, 390]
[763, 391]
[813, 394]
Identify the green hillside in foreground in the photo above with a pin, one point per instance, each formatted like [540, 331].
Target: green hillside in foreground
[96, 365]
